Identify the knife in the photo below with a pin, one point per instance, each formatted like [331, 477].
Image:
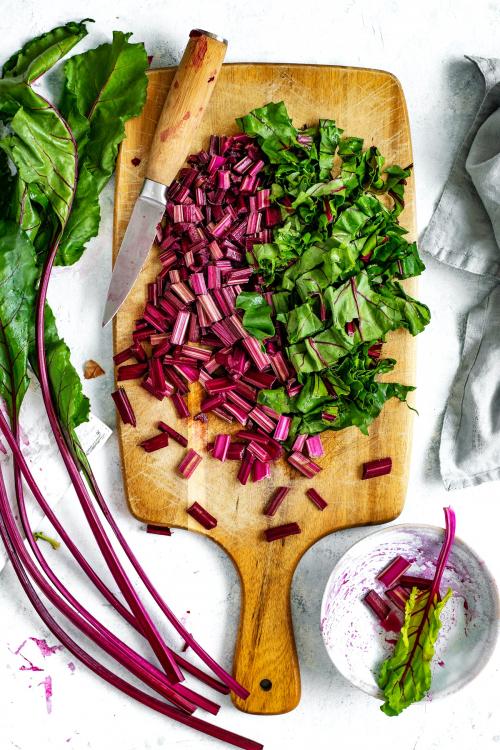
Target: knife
[182, 113]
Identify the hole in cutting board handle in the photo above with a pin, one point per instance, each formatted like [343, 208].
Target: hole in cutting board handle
[266, 685]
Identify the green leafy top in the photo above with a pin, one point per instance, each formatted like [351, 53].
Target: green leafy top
[334, 266]
[44, 51]
[42, 197]
[104, 88]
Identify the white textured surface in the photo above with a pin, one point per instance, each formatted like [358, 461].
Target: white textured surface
[423, 44]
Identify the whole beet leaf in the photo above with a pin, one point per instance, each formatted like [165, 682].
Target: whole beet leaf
[50, 189]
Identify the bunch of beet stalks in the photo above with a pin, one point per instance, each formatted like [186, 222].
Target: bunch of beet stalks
[163, 674]
[191, 329]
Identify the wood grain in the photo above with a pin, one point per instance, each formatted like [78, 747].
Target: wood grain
[185, 105]
[366, 103]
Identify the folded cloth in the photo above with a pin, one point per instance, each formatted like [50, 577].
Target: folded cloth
[464, 232]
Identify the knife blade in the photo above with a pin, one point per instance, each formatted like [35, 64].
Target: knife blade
[136, 244]
[182, 113]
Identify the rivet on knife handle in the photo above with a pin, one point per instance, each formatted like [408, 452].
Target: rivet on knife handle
[185, 105]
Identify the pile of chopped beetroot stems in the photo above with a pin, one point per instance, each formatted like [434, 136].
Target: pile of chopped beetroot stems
[191, 330]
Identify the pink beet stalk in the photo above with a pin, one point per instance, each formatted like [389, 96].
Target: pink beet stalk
[200, 514]
[236, 411]
[124, 407]
[316, 498]
[131, 372]
[260, 470]
[236, 451]
[258, 451]
[377, 605]
[276, 501]
[155, 443]
[314, 447]
[280, 532]
[393, 571]
[254, 349]
[160, 530]
[303, 464]
[398, 596]
[420, 583]
[189, 463]
[221, 447]
[260, 418]
[245, 469]
[197, 282]
[282, 428]
[180, 406]
[299, 442]
[164, 427]
[377, 468]
[180, 327]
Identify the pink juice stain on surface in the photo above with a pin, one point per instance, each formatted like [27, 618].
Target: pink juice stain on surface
[47, 687]
[44, 647]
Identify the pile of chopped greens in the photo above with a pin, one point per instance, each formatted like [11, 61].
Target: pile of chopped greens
[333, 268]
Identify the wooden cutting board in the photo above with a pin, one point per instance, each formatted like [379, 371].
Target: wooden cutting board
[367, 103]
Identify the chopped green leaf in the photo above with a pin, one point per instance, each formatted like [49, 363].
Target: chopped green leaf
[257, 317]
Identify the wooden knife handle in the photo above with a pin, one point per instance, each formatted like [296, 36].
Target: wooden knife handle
[185, 104]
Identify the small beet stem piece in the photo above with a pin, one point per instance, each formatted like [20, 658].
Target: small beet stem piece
[280, 532]
[200, 514]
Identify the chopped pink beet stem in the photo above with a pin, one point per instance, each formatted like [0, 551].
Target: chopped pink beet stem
[180, 406]
[299, 443]
[221, 447]
[189, 463]
[155, 443]
[276, 501]
[398, 596]
[124, 406]
[200, 514]
[236, 451]
[258, 450]
[393, 571]
[411, 581]
[131, 372]
[316, 498]
[282, 428]
[314, 447]
[260, 470]
[377, 605]
[180, 328]
[245, 468]
[377, 468]
[160, 530]
[164, 427]
[303, 464]
[254, 349]
[280, 532]
[261, 418]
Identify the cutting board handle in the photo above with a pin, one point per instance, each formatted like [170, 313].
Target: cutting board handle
[185, 104]
[266, 660]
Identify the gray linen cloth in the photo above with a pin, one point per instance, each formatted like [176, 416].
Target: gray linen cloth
[464, 232]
